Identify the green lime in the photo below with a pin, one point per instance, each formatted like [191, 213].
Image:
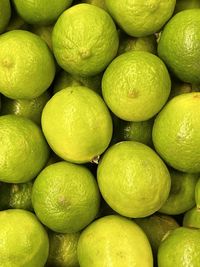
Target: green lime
[179, 88]
[64, 80]
[85, 40]
[156, 227]
[179, 45]
[24, 151]
[23, 240]
[65, 197]
[180, 248]
[185, 4]
[16, 196]
[45, 32]
[192, 218]
[140, 18]
[24, 73]
[176, 132]
[99, 3]
[136, 85]
[133, 180]
[182, 194]
[63, 250]
[16, 23]
[41, 12]
[31, 109]
[5, 14]
[81, 128]
[114, 241]
[197, 194]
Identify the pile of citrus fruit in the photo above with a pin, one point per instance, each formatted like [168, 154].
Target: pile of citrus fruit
[99, 133]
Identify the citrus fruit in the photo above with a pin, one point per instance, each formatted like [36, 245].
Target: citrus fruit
[133, 180]
[182, 194]
[136, 85]
[192, 218]
[179, 45]
[180, 248]
[23, 240]
[5, 14]
[176, 132]
[156, 227]
[65, 197]
[81, 128]
[23, 149]
[179, 88]
[24, 73]
[85, 40]
[128, 43]
[41, 12]
[99, 3]
[139, 17]
[16, 196]
[114, 241]
[185, 4]
[29, 108]
[197, 194]
[64, 80]
[16, 23]
[63, 250]
[45, 32]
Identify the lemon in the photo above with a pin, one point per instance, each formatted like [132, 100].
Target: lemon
[136, 85]
[81, 128]
[179, 45]
[5, 14]
[176, 132]
[85, 40]
[114, 241]
[24, 73]
[192, 218]
[140, 18]
[133, 180]
[23, 149]
[23, 240]
[65, 197]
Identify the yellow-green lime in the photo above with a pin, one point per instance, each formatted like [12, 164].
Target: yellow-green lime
[176, 132]
[16, 196]
[185, 4]
[140, 18]
[63, 250]
[45, 32]
[197, 194]
[5, 14]
[179, 45]
[114, 241]
[99, 3]
[28, 108]
[65, 197]
[182, 194]
[85, 40]
[23, 240]
[23, 149]
[24, 73]
[179, 88]
[192, 218]
[133, 180]
[136, 85]
[180, 248]
[81, 128]
[41, 12]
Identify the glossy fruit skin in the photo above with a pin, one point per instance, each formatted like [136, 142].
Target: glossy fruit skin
[114, 241]
[179, 45]
[180, 248]
[5, 14]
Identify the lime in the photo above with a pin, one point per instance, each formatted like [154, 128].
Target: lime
[45, 32]
[16, 196]
[65, 197]
[136, 85]
[41, 12]
[99, 3]
[85, 40]
[133, 180]
[140, 18]
[179, 88]
[81, 128]
[156, 227]
[197, 194]
[192, 218]
[24, 150]
[5, 14]
[114, 241]
[179, 45]
[185, 4]
[176, 132]
[64, 80]
[180, 248]
[16, 23]
[31, 109]
[28, 72]
[63, 250]
[23, 240]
